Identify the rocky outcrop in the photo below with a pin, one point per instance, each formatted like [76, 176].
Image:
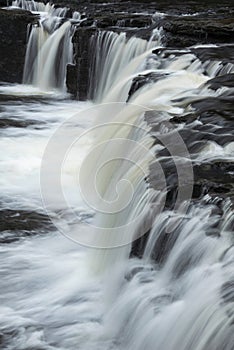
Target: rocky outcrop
[13, 37]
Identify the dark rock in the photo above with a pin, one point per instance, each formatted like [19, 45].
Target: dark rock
[72, 79]
[78, 75]
[137, 248]
[22, 220]
[224, 53]
[16, 224]
[177, 7]
[223, 105]
[122, 20]
[224, 80]
[227, 292]
[188, 31]
[17, 123]
[142, 80]
[13, 37]
[3, 3]
[212, 177]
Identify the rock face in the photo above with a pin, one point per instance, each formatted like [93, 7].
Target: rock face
[13, 36]
[78, 75]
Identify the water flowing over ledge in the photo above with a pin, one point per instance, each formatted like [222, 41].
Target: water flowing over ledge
[154, 154]
[49, 47]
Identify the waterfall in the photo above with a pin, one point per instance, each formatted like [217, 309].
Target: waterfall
[179, 295]
[122, 149]
[141, 178]
[122, 152]
[49, 47]
[126, 122]
[48, 69]
[109, 68]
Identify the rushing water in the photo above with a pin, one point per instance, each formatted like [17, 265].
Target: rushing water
[56, 294]
[109, 70]
[49, 47]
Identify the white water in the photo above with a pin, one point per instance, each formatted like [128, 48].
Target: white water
[175, 303]
[49, 47]
[108, 69]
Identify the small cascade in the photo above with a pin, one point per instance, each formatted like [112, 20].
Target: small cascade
[49, 66]
[32, 5]
[108, 68]
[49, 47]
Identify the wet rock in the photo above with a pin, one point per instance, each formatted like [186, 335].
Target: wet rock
[224, 53]
[187, 31]
[177, 7]
[223, 80]
[214, 176]
[137, 247]
[227, 291]
[14, 99]
[15, 224]
[17, 123]
[22, 220]
[72, 80]
[78, 75]
[141, 80]
[119, 20]
[221, 104]
[13, 37]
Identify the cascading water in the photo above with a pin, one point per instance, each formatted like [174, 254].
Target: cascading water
[179, 294]
[179, 302]
[49, 47]
[109, 69]
[127, 162]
